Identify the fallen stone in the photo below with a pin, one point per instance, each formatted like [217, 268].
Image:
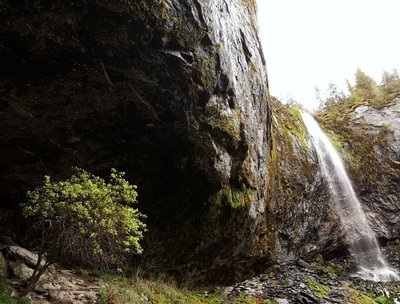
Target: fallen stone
[22, 255]
[65, 287]
[39, 301]
[227, 291]
[20, 271]
[303, 263]
[281, 301]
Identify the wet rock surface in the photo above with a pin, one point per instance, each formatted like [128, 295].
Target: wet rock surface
[301, 219]
[321, 282]
[367, 137]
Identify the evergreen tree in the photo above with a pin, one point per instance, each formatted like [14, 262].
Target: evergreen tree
[391, 83]
[365, 88]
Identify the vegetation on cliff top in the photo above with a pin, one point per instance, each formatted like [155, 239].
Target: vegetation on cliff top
[335, 115]
[365, 92]
[334, 110]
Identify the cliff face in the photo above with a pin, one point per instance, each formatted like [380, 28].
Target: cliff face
[300, 218]
[85, 82]
[173, 92]
[377, 174]
[368, 138]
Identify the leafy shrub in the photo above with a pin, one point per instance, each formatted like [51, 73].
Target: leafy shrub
[84, 220]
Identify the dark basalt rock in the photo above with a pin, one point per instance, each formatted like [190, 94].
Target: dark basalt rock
[173, 92]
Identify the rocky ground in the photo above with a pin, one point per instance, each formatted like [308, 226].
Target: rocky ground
[301, 282]
[321, 282]
[58, 285]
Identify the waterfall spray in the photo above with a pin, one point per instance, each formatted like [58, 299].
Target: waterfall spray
[358, 232]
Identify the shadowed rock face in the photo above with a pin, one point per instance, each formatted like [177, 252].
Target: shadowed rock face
[173, 92]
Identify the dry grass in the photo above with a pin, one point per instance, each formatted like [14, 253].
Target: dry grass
[119, 290]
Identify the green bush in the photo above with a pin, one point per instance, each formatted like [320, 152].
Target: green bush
[86, 220]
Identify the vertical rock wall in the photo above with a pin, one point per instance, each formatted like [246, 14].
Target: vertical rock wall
[375, 164]
[172, 91]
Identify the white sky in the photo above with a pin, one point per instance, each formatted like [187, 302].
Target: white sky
[310, 43]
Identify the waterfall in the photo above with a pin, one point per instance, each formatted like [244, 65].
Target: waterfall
[360, 236]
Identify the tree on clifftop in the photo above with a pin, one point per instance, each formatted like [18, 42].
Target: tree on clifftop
[365, 88]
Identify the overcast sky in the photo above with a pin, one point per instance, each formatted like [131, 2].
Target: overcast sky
[310, 43]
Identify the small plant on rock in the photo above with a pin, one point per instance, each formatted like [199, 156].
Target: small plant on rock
[84, 220]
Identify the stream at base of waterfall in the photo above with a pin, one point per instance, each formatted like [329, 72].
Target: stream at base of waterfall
[360, 236]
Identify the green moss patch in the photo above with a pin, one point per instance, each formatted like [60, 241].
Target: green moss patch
[232, 196]
[320, 290]
[357, 297]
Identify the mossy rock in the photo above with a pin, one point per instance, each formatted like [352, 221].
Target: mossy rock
[232, 196]
[320, 290]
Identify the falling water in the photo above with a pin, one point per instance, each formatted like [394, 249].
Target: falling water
[359, 234]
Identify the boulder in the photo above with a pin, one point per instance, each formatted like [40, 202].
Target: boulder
[22, 255]
[20, 271]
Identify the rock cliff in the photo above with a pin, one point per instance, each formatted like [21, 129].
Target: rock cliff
[369, 140]
[173, 91]
[300, 218]
[379, 183]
